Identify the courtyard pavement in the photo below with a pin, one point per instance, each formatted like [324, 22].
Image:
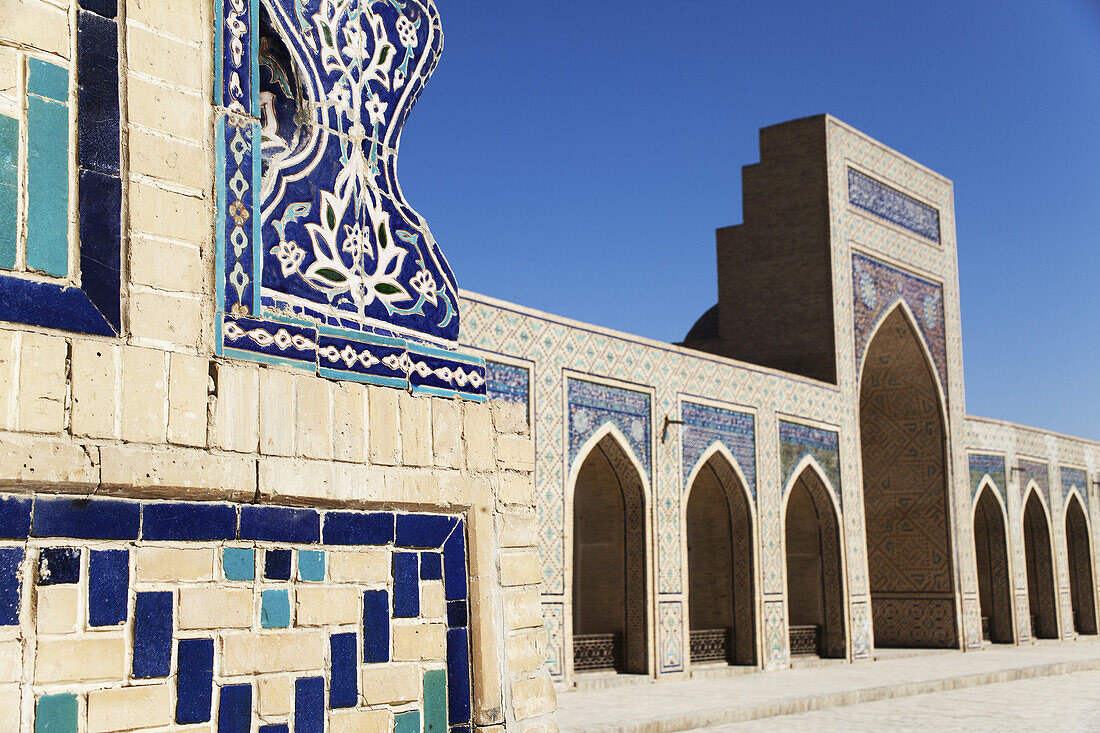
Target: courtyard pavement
[956, 677]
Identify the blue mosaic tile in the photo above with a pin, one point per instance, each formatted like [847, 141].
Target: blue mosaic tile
[106, 8]
[9, 190]
[194, 680]
[309, 705]
[357, 528]
[593, 405]
[239, 563]
[457, 615]
[276, 728]
[15, 517]
[406, 585]
[981, 465]
[153, 635]
[100, 203]
[454, 565]
[427, 531]
[797, 441]
[1074, 477]
[445, 374]
[275, 609]
[10, 588]
[311, 566]
[277, 564]
[56, 714]
[458, 676]
[188, 522]
[97, 93]
[47, 189]
[376, 626]
[431, 566]
[59, 566]
[108, 587]
[235, 709]
[86, 519]
[1037, 472]
[893, 205]
[343, 685]
[280, 524]
[705, 425]
[407, 722]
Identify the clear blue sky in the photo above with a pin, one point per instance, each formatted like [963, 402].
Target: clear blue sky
[576, 157]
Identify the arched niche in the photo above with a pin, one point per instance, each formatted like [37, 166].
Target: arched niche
[815, 587]
[1040, 569]
[905, 490]
[1079, 553]
[994, 579]
[609, 562]
[721, 575]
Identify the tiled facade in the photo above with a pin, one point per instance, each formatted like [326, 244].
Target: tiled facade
[228, 503]
[892, 245]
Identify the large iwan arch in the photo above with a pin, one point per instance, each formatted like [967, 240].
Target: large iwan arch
[905, 490]
[815, 578]
[610, 608]
[721, 567]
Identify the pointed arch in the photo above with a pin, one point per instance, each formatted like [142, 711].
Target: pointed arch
[905, 471]
[989, 517]
[607, 509]
[809, 463]
[1079, 554]
[899, 304]
[812, 546]
[720, 527]
[1039, 556]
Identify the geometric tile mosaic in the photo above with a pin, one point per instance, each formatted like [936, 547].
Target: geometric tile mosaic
[980, 465]
[892, 205]
[591, 406]
[797, 441]
[338, 594]
[508, 383]
[1074, 478]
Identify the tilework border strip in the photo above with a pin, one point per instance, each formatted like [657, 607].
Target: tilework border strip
[95, 306]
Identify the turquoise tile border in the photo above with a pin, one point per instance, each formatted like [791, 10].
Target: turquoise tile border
[47, 80]
[48, 186]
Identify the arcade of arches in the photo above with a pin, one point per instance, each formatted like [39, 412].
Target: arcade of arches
[901, 424]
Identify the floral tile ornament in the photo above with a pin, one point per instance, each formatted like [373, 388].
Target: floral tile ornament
[323, 263]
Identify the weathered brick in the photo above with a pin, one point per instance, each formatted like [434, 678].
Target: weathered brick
[522, 608]
[288, 651]
[327, 605]
[416, 430]
[360, 721]
[169, 159]
[532, 698]
[516, 452]
[414, 642]
[215, 608]
[95, 369]
[11, 661]
[164, 213]
[313, 417]
[144, 395]
[477, 436]
[350, 423]
[277, 412]
[57, 610]
[384, 437]
[71, 659]
[237, 409]
[367, 567]
[526, 651]
[129, 708]
[42, 377]
[160, 56]
[518, 530]
[37, 25]
[276, 695]
[166, 265]
[160, 564]
[166, 109]
[178, 18]
[37, 461]
[447, 433]
[510, 417]
[391, 683]
[433, 601]
[517, 489]
[9, 372]
[153, 466]
[166, 319]
[188, 398]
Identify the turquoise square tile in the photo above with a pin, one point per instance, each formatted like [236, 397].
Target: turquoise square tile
[47, 80]
[407, 722]
[275, 609]
[239, 563]
[55, 714]
[311, 565]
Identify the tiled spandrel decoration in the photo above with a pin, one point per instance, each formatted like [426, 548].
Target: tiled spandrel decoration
[323, 264]
[150, 615]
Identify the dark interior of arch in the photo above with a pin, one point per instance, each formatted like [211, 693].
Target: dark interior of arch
[994, 583]
[905, 493]
[1040, 570]
[815, 589]
[1080, 569]
[609, 579]
[720, 567]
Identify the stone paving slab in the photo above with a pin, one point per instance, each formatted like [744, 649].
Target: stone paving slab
[702, 703]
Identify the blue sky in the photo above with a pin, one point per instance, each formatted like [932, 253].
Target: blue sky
[577, 157]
